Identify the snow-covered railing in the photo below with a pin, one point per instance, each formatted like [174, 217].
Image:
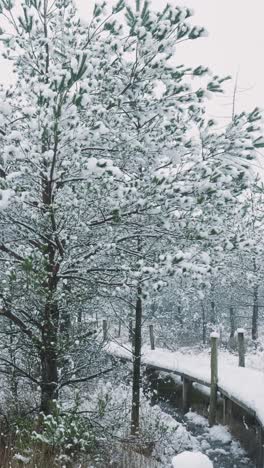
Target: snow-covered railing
[240, 385]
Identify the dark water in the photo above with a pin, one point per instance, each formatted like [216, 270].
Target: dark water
[225, 452]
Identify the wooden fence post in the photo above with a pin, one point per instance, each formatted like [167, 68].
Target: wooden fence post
[186, 394]
[105, 330]
[214, 378]
[241, 346]
[151, 336]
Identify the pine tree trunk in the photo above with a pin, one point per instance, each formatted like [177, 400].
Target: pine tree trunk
[49, 358]
[51, 324]
[136, 366]
[50, 320]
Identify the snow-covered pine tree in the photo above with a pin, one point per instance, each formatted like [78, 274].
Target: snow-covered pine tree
[52, 243]
[111, 179]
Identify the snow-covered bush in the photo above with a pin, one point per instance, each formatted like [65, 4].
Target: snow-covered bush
[52, 440]
[65, 430]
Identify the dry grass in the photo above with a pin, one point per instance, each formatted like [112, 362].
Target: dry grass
[125, 458]
[39, 459]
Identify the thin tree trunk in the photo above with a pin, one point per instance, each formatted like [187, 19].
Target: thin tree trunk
[204, 324]
[179, 315]
[232, 322]
[79, 316]
[136, 366]
[255, 314]
[213, 316]
[255, 311]
[14, 382]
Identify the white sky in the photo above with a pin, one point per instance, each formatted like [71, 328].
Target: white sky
[235, 42]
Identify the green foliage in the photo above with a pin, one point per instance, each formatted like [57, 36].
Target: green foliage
[65, 430]
[116, 216]
[259, 142]
[98, 9]
[131, 20]
[26, 22]
[7, 5]
[183, 31]
[118, 7]
[82, 67]
[214, 86]
[110, 26]
[145, 12]
[200, 71]
[34, 3]
[196, 32]
[254, 115]
[27, 264]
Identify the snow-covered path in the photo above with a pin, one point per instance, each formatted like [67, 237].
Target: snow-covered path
[245, 385]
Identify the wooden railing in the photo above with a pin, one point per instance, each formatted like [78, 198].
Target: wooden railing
[216, 390]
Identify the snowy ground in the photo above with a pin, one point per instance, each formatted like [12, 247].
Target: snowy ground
[190, 459]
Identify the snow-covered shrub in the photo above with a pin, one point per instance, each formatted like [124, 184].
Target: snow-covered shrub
[69, 431]
[61, 438]
[161, 436]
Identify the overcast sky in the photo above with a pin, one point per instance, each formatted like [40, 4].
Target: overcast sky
[235, 42]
